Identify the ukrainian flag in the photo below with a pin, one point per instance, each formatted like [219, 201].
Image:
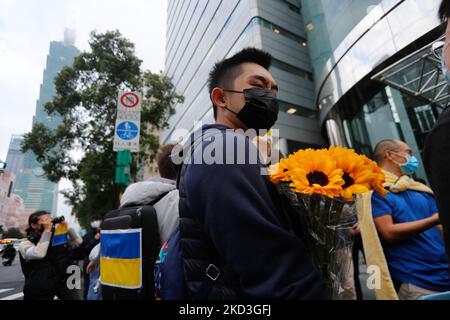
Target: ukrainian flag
[61, 235]
[120, 258]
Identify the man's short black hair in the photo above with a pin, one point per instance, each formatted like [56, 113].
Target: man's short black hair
[444, 10]
[226, 71]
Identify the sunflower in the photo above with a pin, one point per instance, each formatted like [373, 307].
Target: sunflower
[356, 174]
[315, 172]
[378, 177]
[280, 171]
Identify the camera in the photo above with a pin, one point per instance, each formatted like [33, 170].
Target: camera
[58, 220]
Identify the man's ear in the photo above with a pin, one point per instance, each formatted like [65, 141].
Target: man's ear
[388, 155]
[217, 97]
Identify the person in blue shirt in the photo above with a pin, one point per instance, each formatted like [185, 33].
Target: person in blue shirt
[408, 224]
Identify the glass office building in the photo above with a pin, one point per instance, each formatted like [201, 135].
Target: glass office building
[201, 32]
[376, 75]
[15, 156]
[32, 185]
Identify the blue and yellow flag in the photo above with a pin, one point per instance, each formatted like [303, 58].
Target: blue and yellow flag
[61, 235]
[120, 258]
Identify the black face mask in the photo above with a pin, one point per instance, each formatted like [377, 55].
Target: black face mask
[260, 110]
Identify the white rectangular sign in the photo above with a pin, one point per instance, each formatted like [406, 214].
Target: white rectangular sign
[127, 115]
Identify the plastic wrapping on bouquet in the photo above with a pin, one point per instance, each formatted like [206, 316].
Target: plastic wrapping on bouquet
[325, 225]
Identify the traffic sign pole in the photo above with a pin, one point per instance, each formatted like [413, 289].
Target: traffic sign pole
[128, 122]
[126, 137]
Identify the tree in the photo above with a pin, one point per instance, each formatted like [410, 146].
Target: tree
[86, 95]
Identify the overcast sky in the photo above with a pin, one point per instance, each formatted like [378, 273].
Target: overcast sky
[28, 26]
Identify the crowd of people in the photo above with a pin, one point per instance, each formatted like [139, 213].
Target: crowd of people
[236, 241]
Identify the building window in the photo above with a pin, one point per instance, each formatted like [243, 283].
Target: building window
[279, 30]
[292, 69]
[297, 110]
[292, 7]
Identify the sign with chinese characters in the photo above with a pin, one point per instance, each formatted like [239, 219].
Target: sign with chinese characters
[128, 122]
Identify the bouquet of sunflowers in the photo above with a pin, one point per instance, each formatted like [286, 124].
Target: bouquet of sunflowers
[319, 189]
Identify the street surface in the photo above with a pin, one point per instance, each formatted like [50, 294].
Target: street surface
[11, 281]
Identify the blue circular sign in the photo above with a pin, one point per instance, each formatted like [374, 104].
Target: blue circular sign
[127, 130]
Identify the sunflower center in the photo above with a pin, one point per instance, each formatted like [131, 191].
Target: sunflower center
[317, 177]
[348, 180]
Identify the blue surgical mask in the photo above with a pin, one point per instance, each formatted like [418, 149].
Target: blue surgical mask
[411, 165]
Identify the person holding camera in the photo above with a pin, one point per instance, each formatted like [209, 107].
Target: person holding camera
[45, 257]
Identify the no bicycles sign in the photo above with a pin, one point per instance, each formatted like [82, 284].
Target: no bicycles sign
[129, 101]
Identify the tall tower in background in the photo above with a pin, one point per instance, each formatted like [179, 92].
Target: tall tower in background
[200, 33]
[15, 156]
[32, 185]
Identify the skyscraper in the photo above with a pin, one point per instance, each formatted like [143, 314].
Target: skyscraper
[32, 185]
[15, 156]
[200, 33]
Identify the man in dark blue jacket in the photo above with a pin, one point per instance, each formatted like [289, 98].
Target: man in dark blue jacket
[236, 240]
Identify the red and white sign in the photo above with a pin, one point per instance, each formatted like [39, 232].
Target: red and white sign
[128, 120]
[130, 101]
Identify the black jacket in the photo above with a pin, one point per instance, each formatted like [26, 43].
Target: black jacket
[89, 242]
[82, 252]
[436, 155]
[9, 251]
[45, 276]
[230, 215]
